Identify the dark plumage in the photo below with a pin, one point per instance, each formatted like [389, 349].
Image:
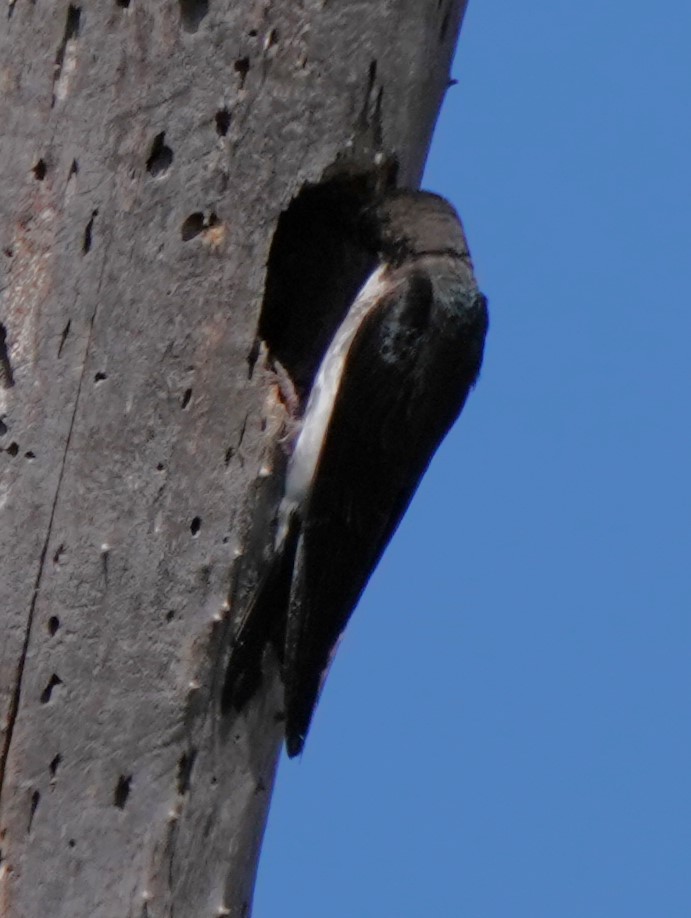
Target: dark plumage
[391, 384]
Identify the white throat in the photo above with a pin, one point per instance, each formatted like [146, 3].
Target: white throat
[303, 462]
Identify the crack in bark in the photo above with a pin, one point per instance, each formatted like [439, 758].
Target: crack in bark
[13, 709]
[5, 364]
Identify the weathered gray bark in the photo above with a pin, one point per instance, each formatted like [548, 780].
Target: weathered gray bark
[148, 149]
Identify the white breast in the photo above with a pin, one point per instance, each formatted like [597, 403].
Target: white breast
[303, 462]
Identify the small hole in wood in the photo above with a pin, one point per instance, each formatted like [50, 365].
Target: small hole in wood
[222, 122]
[48, 690]
[160, 156]
[192, 226]
[74, 14]
[13, 449]
[53, 625]
[242, 67]
[40, 170]
[122, 791]
[187, 395]
[122, 3]
[192, 12]
[185, 765]
[63, 337]
[99, 377]
[6, 372]
[88, 233]
[35, 797]
[30, 455]
[54, 765]
[196, 525]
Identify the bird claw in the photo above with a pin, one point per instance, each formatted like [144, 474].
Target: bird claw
[286, 388]
[289, 398]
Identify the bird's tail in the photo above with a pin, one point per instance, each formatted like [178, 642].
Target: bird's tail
[264, 622]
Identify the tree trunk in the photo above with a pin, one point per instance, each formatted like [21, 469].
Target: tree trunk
[148, 151]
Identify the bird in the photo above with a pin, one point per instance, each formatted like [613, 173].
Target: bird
[390, 384]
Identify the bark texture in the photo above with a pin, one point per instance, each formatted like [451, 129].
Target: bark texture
[148, 151]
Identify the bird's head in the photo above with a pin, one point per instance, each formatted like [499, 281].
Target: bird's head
[406, 224]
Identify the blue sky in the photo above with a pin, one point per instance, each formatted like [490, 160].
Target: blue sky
[506, 731]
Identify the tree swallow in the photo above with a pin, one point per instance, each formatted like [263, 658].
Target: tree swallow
[390, 385]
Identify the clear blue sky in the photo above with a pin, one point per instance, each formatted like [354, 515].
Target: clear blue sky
[506, 732]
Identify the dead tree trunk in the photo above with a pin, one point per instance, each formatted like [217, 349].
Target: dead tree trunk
[148, 150]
